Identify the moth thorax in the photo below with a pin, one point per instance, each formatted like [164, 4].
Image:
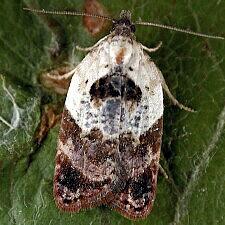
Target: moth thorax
[123, 26]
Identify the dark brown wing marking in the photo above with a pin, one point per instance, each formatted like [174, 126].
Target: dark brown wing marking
[135, 201]
[75, 185]
[129, 187]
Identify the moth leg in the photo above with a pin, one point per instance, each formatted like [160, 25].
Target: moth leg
[61, 77]
[163, 172]
[88, 49]
[152, 49]
[172, 98]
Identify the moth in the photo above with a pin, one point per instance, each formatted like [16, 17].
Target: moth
[111, 130]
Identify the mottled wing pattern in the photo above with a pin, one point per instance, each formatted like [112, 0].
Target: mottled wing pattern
[136, 198]
[74, 186]
[110, 136]
[140, 158]
[81, 180]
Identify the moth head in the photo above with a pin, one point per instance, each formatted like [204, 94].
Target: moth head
[123, 26]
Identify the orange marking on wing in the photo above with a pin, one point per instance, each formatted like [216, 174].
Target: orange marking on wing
[120, 56]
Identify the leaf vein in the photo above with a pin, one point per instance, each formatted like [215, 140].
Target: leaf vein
[182, 203]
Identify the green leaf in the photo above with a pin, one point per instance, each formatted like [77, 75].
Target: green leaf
[193, 143]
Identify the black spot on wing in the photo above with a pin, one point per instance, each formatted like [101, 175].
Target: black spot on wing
[113, 85]
[141, 187]
[70, 178]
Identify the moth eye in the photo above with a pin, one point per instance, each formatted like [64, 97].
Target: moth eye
[130, 68]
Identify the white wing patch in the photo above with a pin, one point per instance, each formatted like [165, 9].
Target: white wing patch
[134, 64]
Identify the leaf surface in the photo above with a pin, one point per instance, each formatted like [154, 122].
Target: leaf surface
[193, 143]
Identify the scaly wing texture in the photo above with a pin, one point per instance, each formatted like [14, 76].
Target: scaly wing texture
[110, 136]
[80, 181]
[140, 158]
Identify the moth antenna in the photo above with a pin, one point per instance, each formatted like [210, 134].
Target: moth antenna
[178, 29]
[67, 13]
